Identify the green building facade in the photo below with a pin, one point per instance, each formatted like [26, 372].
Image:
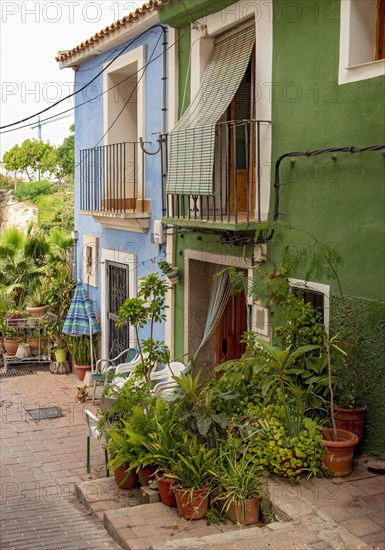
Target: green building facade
[312, 89]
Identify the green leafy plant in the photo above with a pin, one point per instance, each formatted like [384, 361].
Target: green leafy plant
[149, 308]
[200, 408]
[237, 477]
[193, 465]
[80, 348]
[37, 298]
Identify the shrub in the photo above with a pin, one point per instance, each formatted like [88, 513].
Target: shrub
[30, 190]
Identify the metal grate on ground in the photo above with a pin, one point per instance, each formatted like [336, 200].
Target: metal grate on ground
[45, 413]
[15, 372]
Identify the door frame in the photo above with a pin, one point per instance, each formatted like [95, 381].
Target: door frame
[225, 260]
[118, 257]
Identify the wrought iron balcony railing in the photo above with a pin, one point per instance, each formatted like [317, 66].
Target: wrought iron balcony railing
[236, 198]
[112, 180]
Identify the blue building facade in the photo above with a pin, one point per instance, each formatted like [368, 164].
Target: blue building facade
[118, 187]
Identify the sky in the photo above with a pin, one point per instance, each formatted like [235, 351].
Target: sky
[31, 34]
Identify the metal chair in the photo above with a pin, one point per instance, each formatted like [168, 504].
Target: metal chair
[105, 368]
[92, 431]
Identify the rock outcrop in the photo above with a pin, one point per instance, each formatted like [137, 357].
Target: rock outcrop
[14, 213]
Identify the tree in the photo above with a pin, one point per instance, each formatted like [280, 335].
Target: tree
[31, 156]
[66, 154]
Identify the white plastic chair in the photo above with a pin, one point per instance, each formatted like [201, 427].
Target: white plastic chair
[92, 431]
[175, 368]
[168, 391]
[106, 367]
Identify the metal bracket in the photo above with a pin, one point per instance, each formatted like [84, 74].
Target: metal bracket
[159, 140]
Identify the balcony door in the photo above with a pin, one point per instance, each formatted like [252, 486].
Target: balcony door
[242, 144]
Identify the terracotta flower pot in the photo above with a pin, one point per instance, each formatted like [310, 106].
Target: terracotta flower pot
[244, 513]
[11, 345]
[34, 345]
[166, 492]
[146, 475]
[81, 370]
[191, 508]
[37, 311]
[338, 455]
[124, 481]
[352, 420]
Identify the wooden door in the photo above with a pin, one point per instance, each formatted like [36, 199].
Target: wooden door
[230, 330]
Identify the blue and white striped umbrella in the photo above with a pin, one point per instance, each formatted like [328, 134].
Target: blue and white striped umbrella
[81, 319]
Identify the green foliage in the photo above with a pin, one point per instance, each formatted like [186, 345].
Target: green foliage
[30, 190]
[194, 464]
[270, 448]
[148, 307]
[213, 516]
[237, 477]
[302, 324]
[80, 348]
[164, 442]
[7, 182]
[66, 155]
[31, 156]
[121, 402]
[200, 408]
[56, 211]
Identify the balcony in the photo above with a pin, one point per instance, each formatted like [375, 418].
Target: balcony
[112, 186]
[236, 204]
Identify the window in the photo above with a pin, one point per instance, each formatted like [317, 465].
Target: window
[315, 293]
[362, 49]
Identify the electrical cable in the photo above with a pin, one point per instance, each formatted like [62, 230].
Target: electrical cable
[85, 85]
[112, 124]
[99, 95]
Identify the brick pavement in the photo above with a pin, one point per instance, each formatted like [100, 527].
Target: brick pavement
[40, 463]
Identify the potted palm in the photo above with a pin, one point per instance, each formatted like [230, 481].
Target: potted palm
[193, 478]
[238, 485]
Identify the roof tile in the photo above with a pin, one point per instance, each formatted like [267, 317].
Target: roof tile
[151, 5]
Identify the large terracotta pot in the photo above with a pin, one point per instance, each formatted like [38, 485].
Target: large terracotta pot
[166, 492]
[146, 475]
[352, 420]
[338, 455]
[191, 508]
[37, 311]
[244, 513]
[81, 370]
[11, 345]
[124, 481]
